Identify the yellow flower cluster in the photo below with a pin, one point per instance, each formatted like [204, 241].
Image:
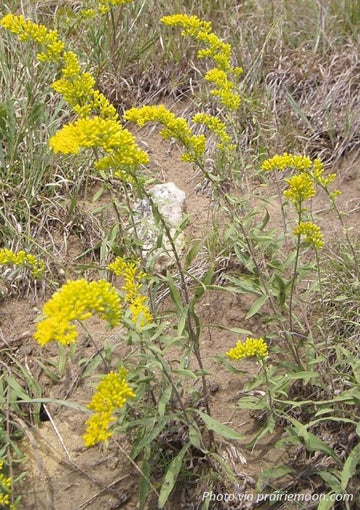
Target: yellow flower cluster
[285, 161]
[251, 347]
[132, 287]
[90, 132]
[77, 89]
[216, 126]
[217, 50]
[105, 5]
[108, 134]
[317, 172]
[28, 30]
[175, 127]
[98, 125]
[311, 232]
[111, 394]
[22, 258]
[301, 188]
[5, 488]
[100, 7]
[77, 300]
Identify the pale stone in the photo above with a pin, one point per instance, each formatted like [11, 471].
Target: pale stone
[171, 204]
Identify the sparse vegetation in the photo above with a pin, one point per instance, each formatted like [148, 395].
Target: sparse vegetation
[258, 101]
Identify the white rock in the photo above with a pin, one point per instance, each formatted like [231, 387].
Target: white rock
[171, 204]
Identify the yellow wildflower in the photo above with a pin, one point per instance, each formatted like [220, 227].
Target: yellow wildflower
[111, 394]
[132, 286]
[251, 347]
[215, 49]
[175, 127]
[301, 188]
[28, 30]
[334, 194]
[192, 24]
[215, 125]
[285, 161]
[24, 259]
[77, 90]
[90, 132]
[77, 300]
[5, 488]
[5, 481]
[317, 174]
[311, 232]
[87, 13]
[106, 5]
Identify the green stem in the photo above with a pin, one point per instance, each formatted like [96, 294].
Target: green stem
[289, 336]
[324, 329]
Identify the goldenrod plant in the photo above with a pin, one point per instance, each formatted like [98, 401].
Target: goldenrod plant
[307, 376]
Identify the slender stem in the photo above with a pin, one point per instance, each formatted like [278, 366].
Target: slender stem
[271, 403]
[191, 331]
[175, 390]
[291, 300]
[324, 323]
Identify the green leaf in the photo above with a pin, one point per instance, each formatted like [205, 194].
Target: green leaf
[18, 391]
[192, 253]
[174, 293]
[164, 400]
[144, 477]
[332, 480]
[203, 284]
[265, 220]
[281, 289]
[244, 284]
[268, 428]
[185, 372]
[271, 474]
[171, 476]
[358, 429]
[149, 436]
[256, 306]
[326, 504]
[195, 437]
[219, 428]
[349, 467]
[307, 375]
[312, 442]
[184, 314]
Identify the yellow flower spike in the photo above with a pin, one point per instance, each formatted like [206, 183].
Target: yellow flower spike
[129, 270]
[287, 161]
[5, 488]
[301, 188]
[311, 232]
[77, 300]
[334, 194]
[217, 126]
[248, 349]
[76, 87]
[97, 429]
[175, 127]
[76, 91]
[94, 132]
[28, 30]
[24, 259]
[111, 393]
[215, 49]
